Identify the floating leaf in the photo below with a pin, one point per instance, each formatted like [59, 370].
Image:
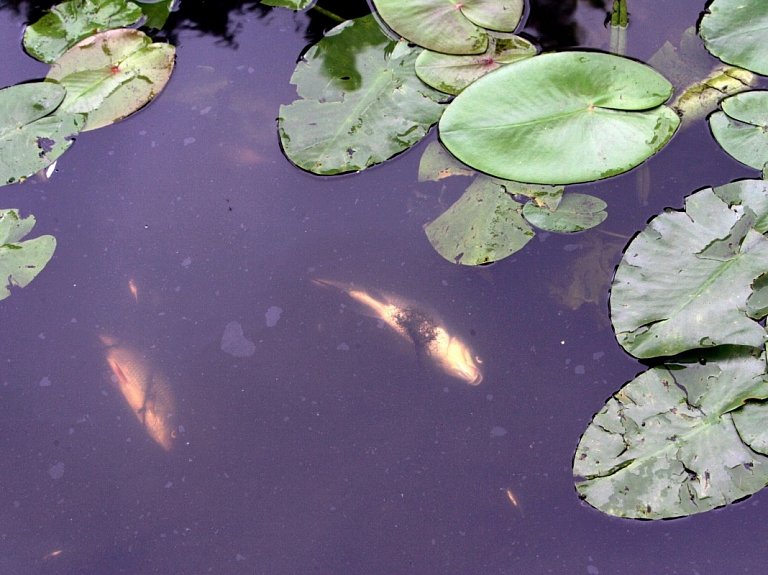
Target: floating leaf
[735, 32]
[70, 22]
[157, 11]
[292, 4]
[684, 281]
[741, 128]
[20, 262]
[361, 101]
[575, 213]
[450, 27]
[451, 74]
[30, 139]
[752, 194]
[112, 74]
[436, 163]
[679, 439]
[560, 118]
[483, 226]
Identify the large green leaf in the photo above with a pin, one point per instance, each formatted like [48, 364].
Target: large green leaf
[451, 74]
[361, 101]
[752, 194]
[30, 139]
[679, 439]
[21, 261]
[112, 74]
[483, 226]
[741, 128]
[736, 31]
[684, 281]
[70, 22]
[448, 26]
[560, 118]
[575, 213]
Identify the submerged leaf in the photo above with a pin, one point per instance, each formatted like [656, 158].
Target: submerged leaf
[560, 118]
[112, 74]
[684, 281]
[20, 262]
[30, 139]
[70, 22]
[436, 163]
[450, 27]
[741, 128]
[672, 441]
[483, 226]
[735, 32]
[575, 213]
[361, 101]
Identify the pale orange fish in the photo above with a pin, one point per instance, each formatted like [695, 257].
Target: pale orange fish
[134, 289]
[448, 352]
[146, 390]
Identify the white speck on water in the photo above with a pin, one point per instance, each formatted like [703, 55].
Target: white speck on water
[45, 382]
[41, 336]
[598, 355]
[239, 557]
[273, 315]
[592, 570]
[169, 485]
[56, 471]
[205, 110]
[181, 429]
[234, 341]
[188, 141]
[579, 370]
[498, 431]
[489, 397]
[342, 347]
[572, 247]
[186, 262]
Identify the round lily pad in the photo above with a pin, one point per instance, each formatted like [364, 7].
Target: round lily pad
[561, 118]
[21, 261]
[574, 213]
[736, 31]
[742, 127]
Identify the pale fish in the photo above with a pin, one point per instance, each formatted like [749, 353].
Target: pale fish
[427, 334]
[146, 390]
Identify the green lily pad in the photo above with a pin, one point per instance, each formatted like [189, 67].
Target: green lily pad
[450, 27]
[483, 226]
[361, 101]
[684, 281]
[292, 4]
[436, 163]
[20, 262]
[679, 439]
[752, 194]
[736, 31]
[560, 118]
[575, 213]
[451, 74]
[157, 12]
[112, 74]
[70, 22]
[741, 128]
[29, 138]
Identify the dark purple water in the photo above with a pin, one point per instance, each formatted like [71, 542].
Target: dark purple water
[330, 450]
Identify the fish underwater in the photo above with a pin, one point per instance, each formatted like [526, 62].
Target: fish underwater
[427, 334]
[146, 390]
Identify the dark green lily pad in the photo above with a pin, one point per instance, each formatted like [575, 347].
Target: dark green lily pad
[741, 128]
[680, 439]
[70, 22]
[451, 74]
[157, 12]
[483, 226]
[684, 281]
[30, 139]
[112, 74]
[21, 261]
[361, 101]
[450, 27]
[575, 213]
[736, 31]
[560, 118]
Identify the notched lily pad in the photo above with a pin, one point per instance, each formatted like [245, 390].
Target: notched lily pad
[684, 281]
[31, 139]
[679, 439]
[21, 261]
[575, 213]
[735, 32]
[70, 22]
[112, 74]
[361, 101]
[560, 118]
[751, 194]
[436, 163]
[450, 27]
[451, 74]
[483, 226]
[742, 127]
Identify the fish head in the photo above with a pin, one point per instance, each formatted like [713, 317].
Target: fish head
[458, 362]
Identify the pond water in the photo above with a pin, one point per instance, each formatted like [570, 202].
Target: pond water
[330, 448]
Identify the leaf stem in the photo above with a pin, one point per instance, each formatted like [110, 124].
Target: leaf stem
[328, 13]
